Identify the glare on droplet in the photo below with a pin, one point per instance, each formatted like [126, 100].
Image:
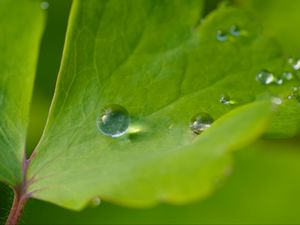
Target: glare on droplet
[279, 81]
[201, 122]
[287, 76]
[295, 63]
[134, 129]
[221, 36]
[226, 100]
[265, 77]
[235, 30]
[276, 100]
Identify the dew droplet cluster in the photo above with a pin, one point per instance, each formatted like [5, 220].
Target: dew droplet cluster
[114, 120]
[266, 77]
[295, 94]
[224, 35]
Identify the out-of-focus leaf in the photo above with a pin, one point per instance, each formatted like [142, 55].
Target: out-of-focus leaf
[280, 20]
[21, 24]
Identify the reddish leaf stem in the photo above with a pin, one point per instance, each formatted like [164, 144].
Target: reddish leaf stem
[17, 208]
[20, 197]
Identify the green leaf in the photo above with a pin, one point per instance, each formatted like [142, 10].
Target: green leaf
[263, 189]
[173, 171]
[280, 20]
[21, 28]
[149, 57]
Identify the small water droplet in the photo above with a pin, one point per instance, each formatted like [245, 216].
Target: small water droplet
[276, 100]
[201, 122]
[226, 100]
[265, 77]
[222, 36]
[113, 121]
[287, 76]
[295, 94]
[44, 5]
[295, 63]
[96, 201]
[235, 31]
[279, 81]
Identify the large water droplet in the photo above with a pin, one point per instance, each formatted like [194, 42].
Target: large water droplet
[44, 5]
[113, 121]
[226, 100]
[235, 31]
[265, 77]
[201, 122]
[222, 36]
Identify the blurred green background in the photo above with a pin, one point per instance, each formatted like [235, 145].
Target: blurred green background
[264, 186]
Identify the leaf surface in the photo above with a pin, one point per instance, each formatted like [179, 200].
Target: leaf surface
[262, 189]
[154, 59]
[21, 28]
[280, 20]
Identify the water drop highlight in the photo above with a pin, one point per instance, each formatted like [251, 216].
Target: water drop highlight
[265, 77]
[295, 63]
[226, 100]
[44, 5]
[296, 66]
[295, 94]
[287, 76]
[235, 31]
[276, 100]
[279, 81]
[222, 36]
[201, 122]
[96, 201]
[113, 121]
